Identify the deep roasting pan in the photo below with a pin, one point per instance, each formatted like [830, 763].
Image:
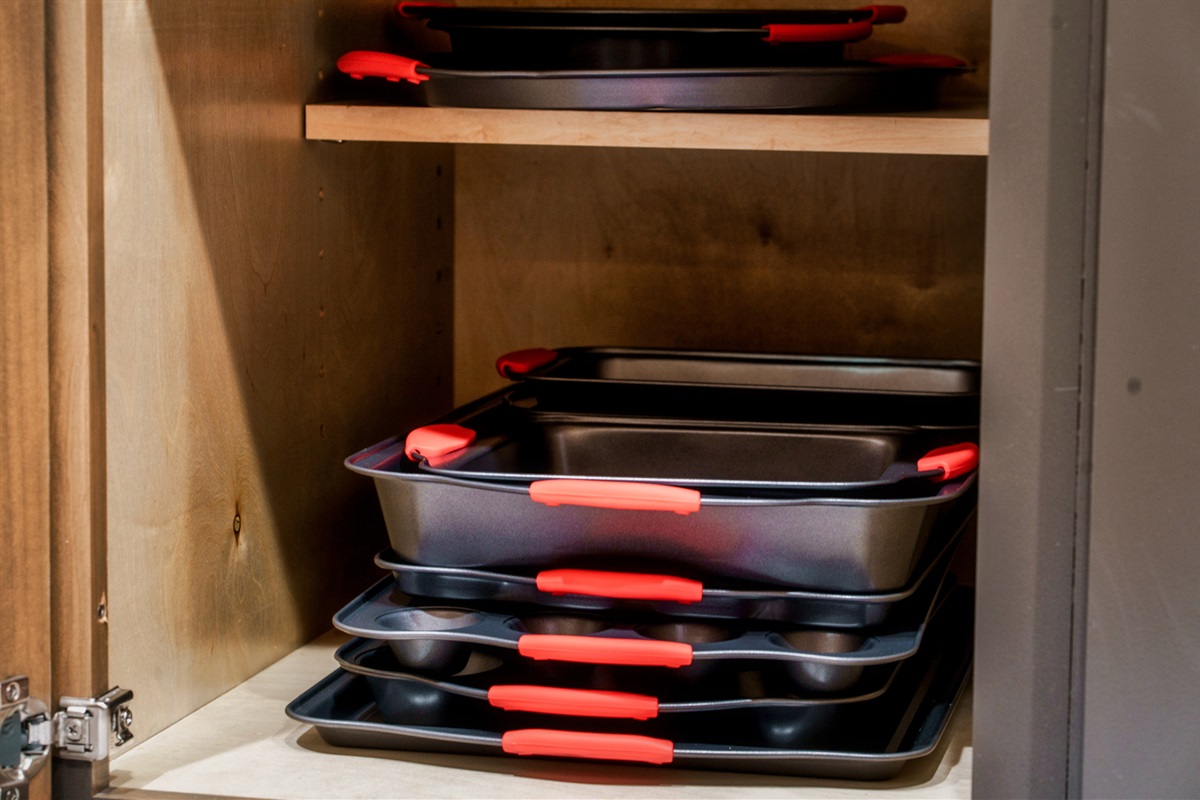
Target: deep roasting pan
[866, 541]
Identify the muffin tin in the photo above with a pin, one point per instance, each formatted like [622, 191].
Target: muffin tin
[506, 681]
[867, 740]
[432, 637]
[672, 595]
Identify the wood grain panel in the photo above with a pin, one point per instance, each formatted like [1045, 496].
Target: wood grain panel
[24, 356]
[962, 131]
[76, 323]
[272, 305]
[808, 253]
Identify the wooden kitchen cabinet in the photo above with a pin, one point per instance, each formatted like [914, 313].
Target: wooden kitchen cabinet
[236, 302]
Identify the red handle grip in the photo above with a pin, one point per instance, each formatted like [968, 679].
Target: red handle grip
[573, 702]
[433, 441]
[604, 650]
[624, 585]
[577, 744]
[368, 63]
[886, 15]
[836, 32]
[519, 362]
[955, 460]
[623, 495]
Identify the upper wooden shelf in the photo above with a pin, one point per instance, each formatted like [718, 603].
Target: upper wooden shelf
[960, 130]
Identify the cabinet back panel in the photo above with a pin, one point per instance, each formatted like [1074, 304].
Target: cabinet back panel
[273, 305]
[778, 252]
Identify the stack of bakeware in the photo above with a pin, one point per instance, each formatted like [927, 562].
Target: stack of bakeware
[715, 560]
[605, 58]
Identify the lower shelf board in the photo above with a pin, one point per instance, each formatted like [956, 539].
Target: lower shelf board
[243, 745]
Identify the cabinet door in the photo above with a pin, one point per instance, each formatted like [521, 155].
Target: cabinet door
[24, 356]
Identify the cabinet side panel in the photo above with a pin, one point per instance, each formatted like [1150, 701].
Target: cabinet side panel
[1039, 268]
[24, 354]
[778, 252]
[272, 306]
[1141, 717]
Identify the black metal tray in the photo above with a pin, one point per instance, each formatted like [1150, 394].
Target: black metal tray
[870, 740]
[495, 442]
[435, 637]
[844, 542]
[899, 84]
[604, 38]
[673, 595]
[511, 684]
[940, 393]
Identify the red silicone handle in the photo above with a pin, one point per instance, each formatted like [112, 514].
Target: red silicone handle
[624, 495]
[836, 32]
[432, 441]
[955, 460]
[573, 702]
[368, 63]
[577, 744]
[886, 15]
[604, 650]
[406, 5]
[624, 585]
[519, 362]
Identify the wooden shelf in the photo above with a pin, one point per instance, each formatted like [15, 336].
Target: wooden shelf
[243, 745]
[960, 130]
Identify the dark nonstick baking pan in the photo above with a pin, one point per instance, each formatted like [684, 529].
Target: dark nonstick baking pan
[432, 636]
[669, 595]
[901, 83]
[492, 443]
[867, 542]
[869, 740]
[598, 38]
[729, 385]
[491, 684]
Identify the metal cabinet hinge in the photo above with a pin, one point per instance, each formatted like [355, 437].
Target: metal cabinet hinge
[83, 729]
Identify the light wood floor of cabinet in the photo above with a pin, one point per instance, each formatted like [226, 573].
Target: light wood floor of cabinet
[242, 745]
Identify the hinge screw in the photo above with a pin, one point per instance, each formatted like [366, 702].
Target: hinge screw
[12, 693]
[74, 730]
[12, 794]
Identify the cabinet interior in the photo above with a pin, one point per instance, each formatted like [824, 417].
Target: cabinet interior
[274, 304]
